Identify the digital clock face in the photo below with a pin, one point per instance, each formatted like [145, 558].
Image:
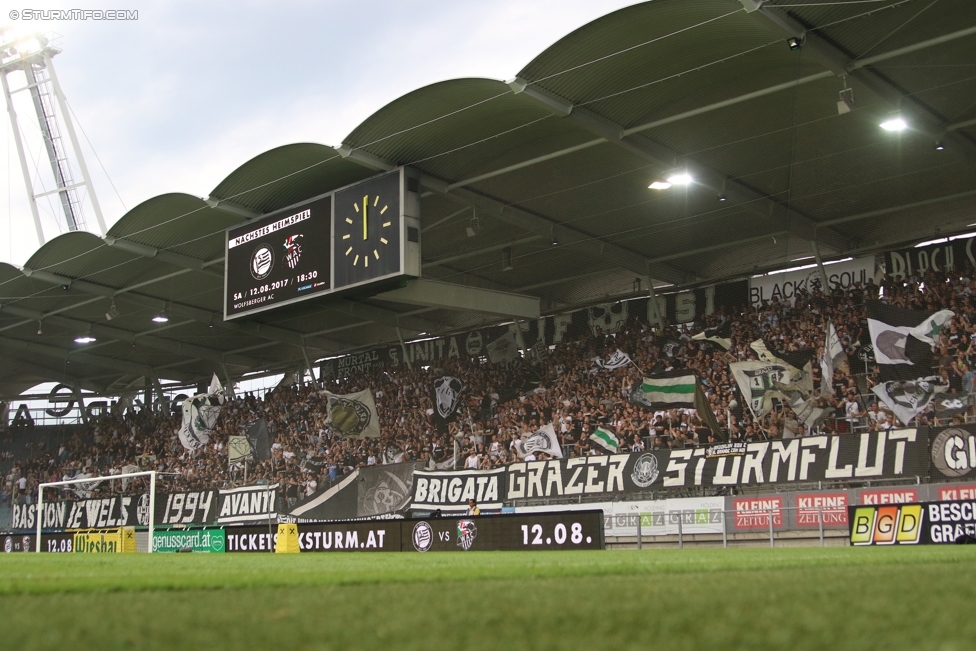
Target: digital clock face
[278, 259]
[368, 230]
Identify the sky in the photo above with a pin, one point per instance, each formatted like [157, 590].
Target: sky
[177, 99]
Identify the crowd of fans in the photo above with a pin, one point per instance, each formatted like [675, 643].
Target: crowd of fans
[562, 385]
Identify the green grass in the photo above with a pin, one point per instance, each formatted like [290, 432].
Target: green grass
[835, 598]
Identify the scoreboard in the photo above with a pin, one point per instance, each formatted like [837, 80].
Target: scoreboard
[353, 237]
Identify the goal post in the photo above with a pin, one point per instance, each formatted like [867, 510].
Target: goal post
[87, 480]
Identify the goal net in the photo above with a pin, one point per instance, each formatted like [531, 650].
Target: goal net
[113, 513]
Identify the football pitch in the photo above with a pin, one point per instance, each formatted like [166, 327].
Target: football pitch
[834, 598]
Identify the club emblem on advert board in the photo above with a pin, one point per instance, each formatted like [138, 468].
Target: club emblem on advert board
[467, 532]
[423, 536]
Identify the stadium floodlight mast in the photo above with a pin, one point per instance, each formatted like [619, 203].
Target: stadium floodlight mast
[39, 513]
[31, 55]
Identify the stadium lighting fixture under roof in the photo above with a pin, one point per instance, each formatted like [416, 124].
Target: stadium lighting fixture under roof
[894, 124]
[681, 178]
[659, 185]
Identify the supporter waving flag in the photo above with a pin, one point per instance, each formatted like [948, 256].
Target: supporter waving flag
[543, 440]
[833, 356]
[259, 439]
[670, 389]
[907, 399]
[354, 415]
[503, 350]
[797, 362]
[200, 415]
[605, 439]
[678, 389]
[760, 382]
[618, 360]
[903, 339]
[719, 335]
[446, 392]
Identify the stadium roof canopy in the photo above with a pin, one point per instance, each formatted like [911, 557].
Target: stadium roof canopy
[556, 164]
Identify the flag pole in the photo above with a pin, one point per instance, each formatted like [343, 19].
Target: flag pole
[634, 364]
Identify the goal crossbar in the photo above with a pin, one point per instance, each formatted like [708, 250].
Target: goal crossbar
[87, 480]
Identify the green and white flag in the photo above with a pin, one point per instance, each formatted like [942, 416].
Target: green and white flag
[930, 329]
[605, 439]
[670, 389]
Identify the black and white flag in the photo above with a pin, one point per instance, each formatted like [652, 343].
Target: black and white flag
[200, 415]
[672, 348]
[544, 440]
[833, 356]
[902, 339]
[447, 400]
[909, 398]
[259, 439]
[719, 335]
[798, 362]
[760, 383]
[354, 415]
[503, 350]
[617, 360]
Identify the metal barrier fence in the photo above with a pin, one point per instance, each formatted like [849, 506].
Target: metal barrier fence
[774, 519]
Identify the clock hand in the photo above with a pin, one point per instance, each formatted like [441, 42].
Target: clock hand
[365, 228]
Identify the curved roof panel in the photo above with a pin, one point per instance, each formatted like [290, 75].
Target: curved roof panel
[286, 175]
[557, 171]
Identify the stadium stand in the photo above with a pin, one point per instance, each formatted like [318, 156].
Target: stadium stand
[538, 187]
[565, 388]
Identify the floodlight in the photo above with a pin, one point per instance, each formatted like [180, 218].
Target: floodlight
[87, 339]
[794, 43]
[28, 45]
[682, 178]
[894, 124]
[939, 146]
[659, 185]
[474, 226]
[160, 318]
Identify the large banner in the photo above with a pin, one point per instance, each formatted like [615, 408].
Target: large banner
[785, 286]
[247, 504]
[385, 489]
[186, 508]
[97, 513]
[940, 257]
[928, 523]
[871, 455]
[953, 452]
[536, 531]
[451, 490]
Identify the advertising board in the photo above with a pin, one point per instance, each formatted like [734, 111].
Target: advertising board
[535, 531]
[204, 541]
[923, 523]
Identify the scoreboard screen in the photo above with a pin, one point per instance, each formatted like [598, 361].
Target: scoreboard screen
[354, 238]
[278, 259]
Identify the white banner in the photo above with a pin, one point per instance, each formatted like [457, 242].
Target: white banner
[784, 286]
